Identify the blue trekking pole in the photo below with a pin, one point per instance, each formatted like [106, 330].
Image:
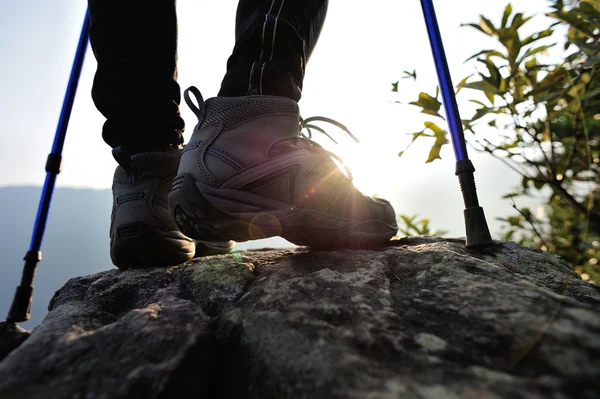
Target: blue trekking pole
[21, 306]
[475, 223]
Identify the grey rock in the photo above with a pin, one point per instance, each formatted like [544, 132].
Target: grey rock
[430, 342]
[426, 318]
[11, 337]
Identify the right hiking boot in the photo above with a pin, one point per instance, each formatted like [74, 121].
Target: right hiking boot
[142, 232]
[248, 173]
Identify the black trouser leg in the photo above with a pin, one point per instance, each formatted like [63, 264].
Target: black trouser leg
[274, 39]
[135, 88]
[135, 44]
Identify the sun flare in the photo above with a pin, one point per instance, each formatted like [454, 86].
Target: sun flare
[369, 165]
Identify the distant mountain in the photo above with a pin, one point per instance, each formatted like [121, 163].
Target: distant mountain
[76, 242]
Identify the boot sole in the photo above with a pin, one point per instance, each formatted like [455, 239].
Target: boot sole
[137, 245]
[208, 248]
[206, 213]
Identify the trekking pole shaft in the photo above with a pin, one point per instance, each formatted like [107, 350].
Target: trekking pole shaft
[21, 306]
[477, 230]
[446, 86]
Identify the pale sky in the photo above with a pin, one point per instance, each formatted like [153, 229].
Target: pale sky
[363, 48]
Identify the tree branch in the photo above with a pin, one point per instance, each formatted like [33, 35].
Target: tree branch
[528, 218]
[539, 143]
[503, 159]
[552, 154]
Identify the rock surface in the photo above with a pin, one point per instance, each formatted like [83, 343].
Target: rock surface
[424, 319]
[11, 336]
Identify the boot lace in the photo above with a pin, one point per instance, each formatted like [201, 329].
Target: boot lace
[307, 126]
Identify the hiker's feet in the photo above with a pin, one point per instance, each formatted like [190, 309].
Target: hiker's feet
[247, 174]
[142, 232]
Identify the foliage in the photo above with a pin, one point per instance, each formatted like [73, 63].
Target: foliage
[545, 118]
[409, 226]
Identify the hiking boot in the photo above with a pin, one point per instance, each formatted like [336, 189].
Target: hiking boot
[142, 232]
[249, 173]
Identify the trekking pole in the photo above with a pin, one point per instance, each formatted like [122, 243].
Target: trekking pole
[475, 223]
[21, 305]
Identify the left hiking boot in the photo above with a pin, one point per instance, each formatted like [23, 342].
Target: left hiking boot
[142, 232]
[248, 173]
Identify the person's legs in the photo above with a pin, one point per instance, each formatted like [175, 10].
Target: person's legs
[274, 39]
[247, 172]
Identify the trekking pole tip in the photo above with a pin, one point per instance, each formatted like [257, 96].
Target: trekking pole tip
[478, 233]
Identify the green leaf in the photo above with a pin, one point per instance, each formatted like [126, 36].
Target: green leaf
[537, 36]
[462, 83]
[590, 7]
[575, 19]
[534, 51]
[440, 141]
[481, 112]
[515, 221]
[513, 45]
[492, 123]
[507, 12]
[478, 102]
[409, 221]
[434, 153]
[410, 75]
[519, 84]
[395, 87]
[429, 105]
[488, 53]
[481, 85]
[531, 64]
[495, 77]
[517, 22]
[479, 28]
[428, 102]
[487, 25]
[432, 113]
[438, 131]
[532, 68]
[467, 125]
[575, 35]
[416, 135]
[504, 84]
[509, 235]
